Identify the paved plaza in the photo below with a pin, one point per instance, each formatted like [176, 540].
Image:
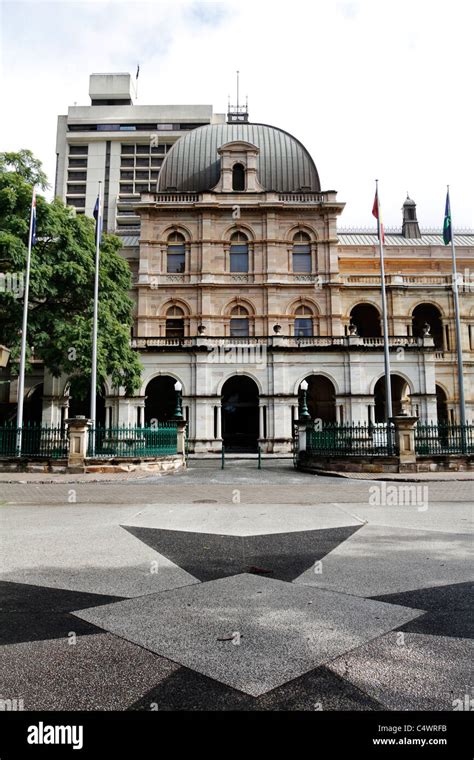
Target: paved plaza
[235, 589]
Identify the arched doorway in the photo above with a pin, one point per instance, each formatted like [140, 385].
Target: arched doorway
[321, 398]
[366, 318]
[428, 314]
[240, 424]
[441, 404]
[400, 397]
[160, 399]
[33, 406]
[80, 401]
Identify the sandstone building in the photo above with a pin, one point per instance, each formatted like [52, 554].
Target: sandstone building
[246, 284]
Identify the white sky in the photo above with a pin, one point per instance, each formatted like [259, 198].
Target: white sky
[372, 88]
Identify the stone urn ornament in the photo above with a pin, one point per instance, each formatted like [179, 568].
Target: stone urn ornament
[353, 329]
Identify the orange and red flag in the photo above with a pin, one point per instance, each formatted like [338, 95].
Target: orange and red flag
[377, 213]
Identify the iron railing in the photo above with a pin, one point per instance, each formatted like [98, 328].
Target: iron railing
[129, 441]
[347, 439]
[39, 441]
[432, 438]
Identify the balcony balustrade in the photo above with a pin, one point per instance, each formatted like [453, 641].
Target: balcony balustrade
[280, 342]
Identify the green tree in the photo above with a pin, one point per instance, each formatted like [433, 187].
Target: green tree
[61, 285]
[26, 165]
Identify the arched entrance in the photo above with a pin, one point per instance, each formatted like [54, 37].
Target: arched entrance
[33, 406]
[400, 397]
[366, 318]
[321, 398]
[240, 424]
[160, 399]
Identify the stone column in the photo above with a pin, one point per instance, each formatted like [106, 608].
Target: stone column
[260, 421]
[78, 433]
[181, 442]
[127, 410]
[302, 435]
[405, 440]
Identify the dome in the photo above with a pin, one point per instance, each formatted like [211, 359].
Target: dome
[283, 165]
[409, 201]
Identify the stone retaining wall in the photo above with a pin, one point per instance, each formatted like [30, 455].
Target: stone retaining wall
[451, 463]
[164, 464]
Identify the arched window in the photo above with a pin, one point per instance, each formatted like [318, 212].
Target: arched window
[176, 257]
[303, 322]
[239, 252]
[175, 322]
[302, 252]
[239, 322]
[238, 177]
[366, 320]
[426, 320]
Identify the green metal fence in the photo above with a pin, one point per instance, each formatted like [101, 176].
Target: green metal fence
[433, 438]
[358, 440]
[128, 441]
[39, 441]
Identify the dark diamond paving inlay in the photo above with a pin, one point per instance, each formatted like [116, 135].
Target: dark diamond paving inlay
[35, 613]
[209, 556]
[448, 609]
[320, 689]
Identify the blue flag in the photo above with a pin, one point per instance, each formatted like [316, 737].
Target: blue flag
[447, 231]
[33, 218]
[98, 219]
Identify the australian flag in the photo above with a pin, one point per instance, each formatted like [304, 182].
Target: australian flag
[447, 230]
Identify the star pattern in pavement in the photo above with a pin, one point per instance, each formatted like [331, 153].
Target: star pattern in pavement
[448, 609]
[35, 613]
[208, 556]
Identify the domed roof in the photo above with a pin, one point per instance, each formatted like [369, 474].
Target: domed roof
[409, 201]
[283, 164]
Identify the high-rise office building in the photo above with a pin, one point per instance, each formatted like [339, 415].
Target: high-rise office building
[121, 144]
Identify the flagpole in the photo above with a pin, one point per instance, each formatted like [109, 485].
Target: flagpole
[462, 402]
[21, 377]
[95, 318]
[386, 347]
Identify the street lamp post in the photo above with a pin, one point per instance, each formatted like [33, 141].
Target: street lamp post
[178, 412]
[303, 411]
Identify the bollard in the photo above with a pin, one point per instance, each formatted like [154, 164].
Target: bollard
[259, 466]
[222, 457]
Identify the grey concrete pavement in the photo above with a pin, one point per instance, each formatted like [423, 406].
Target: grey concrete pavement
[318, 576]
